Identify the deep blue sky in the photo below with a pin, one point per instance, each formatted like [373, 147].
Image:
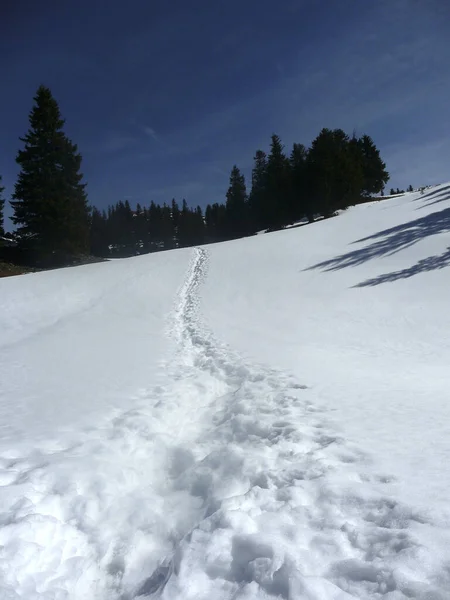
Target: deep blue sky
[163, 97]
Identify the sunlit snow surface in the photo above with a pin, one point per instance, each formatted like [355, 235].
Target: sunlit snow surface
[265, 418]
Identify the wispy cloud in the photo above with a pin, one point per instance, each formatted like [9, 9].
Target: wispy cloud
[149, 131]
[379, 70]
[119, 141]
[116, 142]
[373, 80]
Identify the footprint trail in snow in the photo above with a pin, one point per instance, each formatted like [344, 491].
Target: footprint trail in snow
[224, 481]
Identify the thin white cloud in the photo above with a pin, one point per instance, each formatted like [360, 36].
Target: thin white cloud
[150, 132]
[115, 142]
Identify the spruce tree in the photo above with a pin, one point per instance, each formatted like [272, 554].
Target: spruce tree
[334, 171]
[375, 174]
[298, 197]
[257, 198]
[49, 200]
[2, 205]
[99, 233]
[184, 226]
[141, 229]
[276, 206]
[236, 205]
[198, 227]
[167, 227]
[175, 220]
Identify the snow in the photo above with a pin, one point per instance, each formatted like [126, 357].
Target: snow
[264, 418]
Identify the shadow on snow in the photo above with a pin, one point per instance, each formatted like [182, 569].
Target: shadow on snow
[393, 240]
[438, 196]
[426, 264]
[433, 193]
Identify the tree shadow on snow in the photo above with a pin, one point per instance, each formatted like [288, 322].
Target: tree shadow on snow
[391, 241]
[433, 192]
[427, 264]
[439, 196]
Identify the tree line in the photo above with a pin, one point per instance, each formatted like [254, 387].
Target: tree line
[54, 222]
[399, 191]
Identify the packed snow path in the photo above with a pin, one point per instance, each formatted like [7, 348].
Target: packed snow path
[223, 481]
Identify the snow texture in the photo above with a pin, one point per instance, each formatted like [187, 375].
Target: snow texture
[279, 430]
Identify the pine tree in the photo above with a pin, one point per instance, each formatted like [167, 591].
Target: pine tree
[298, 194]
[99, 233]
[198, 227]
[215, 222]
[410, 188]
[175, 219]
[2, 205]
[167, 228]
[257, 198]
[335, 175]
[50, 204]
[155, 227]
[375, 174]
[140, 230]
[276, 206]
[236, 205]
[184, 226]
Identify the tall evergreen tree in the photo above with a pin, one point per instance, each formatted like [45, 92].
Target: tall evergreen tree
[175, 219]
[49, 200]
[298, 196]
[334, 171]
[198, 227]
[184, 226]
[258, 194]
[375, 173]
[154, 226]
[236, 205]
[167, 228]
[99, 233]
[277, 197]
[215, 222]
[2, 205]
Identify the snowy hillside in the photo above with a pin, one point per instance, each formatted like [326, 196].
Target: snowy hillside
[264, 418]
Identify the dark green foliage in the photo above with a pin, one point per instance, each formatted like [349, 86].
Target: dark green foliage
[99, 233]
[410, 188]
[374, 169]
[215, 222]
[175, 218]
[49, 200]
[184, 229]
[258, 195]
[53, 219]
[334, 171]
[342, 171]
[2, 205]
[191, 228]
[299, 200]
[236, 207]
[276, 205]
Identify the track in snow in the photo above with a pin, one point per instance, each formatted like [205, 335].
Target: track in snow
[224, 481]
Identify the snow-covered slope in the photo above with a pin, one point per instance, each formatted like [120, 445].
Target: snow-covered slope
[258, 419]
